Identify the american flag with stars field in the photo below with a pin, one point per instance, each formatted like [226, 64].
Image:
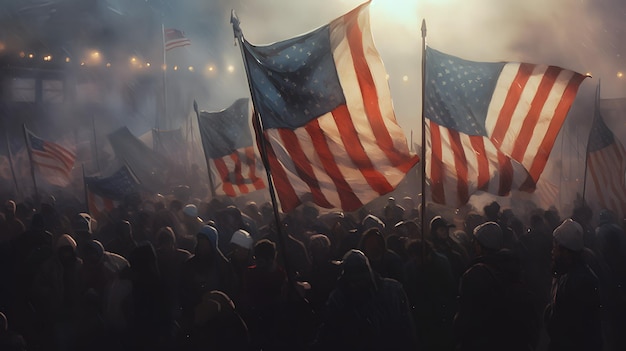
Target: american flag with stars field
[327, 116]
[491, 126]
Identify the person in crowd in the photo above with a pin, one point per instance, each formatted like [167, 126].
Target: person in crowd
[170, 260]
[493, 214]
[240, 257]
[444, 244]
[218, 325]
[123, 242]
[12, 226]
[383, 261]
[57, 291]
[495, 306]
[208, 269]
[150, 321]
[323, 274]
[610, 249]
[191, 224]
[264, 292]
[9, 339]
[392, 213]
[431, 291]
[366, 311]
[573, 317]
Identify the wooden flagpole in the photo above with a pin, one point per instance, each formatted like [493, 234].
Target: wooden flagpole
[258, 126]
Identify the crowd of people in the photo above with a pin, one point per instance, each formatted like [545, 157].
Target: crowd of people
[176, 273]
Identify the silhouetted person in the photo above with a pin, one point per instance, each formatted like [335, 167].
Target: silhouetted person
[444, 244]
[10, 340]
[573, 316]
[495, 308]
[366, 312]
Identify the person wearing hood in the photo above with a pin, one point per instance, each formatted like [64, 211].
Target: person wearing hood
[494, 305]
[573, 317]
[366, 311]
[208, 269]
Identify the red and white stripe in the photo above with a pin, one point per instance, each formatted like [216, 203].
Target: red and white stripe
[98, 204]
[607, 168]
[174, 38]
[460, 165]
[55, 163]
[240, 172]
[355, 153]
[527, 110]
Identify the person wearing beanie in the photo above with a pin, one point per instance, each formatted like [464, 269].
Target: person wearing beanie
[207, 269]
[495, 308]
[573, 316]
[240, 256]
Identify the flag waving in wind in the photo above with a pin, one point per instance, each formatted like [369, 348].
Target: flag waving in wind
[229, 149]
[103, 193]
[606, 163]
[174, 38]
[325, 106]
[491, 125]
[53, 161]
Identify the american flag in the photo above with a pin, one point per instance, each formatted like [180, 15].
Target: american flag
[174, 38]
[327, 116]
[103, 194]
[53, 161]
[229, 149]
[606, 163]
[491, 125]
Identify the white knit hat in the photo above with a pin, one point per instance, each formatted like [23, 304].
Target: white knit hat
[569, 235]
[242, 238]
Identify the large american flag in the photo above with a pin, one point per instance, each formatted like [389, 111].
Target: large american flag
[491, 126]
[53, 161]
[327, 116]
[606, 164]
[174, 38]
[229, 149]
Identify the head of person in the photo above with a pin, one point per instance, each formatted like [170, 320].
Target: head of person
[440, 228]
[241, 244]
[66, 249]
[9, 209]
[373, 244]
[206, 243]
[165, 238]
[492, 211]
[357, 278]
[265, 253]
[488, 238]
[567, 245]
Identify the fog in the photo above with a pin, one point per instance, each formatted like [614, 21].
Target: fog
[583, 35]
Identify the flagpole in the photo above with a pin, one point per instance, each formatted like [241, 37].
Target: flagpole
[30, 160]
[423, 209]
[208, 165]
[595, 112]
[258, 126]
[17, 189]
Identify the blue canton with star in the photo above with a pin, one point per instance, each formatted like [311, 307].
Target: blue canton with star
[600, 135]
[36, 143]
[115, 187]
[227, 130]
[294, 81]
[458, 92]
